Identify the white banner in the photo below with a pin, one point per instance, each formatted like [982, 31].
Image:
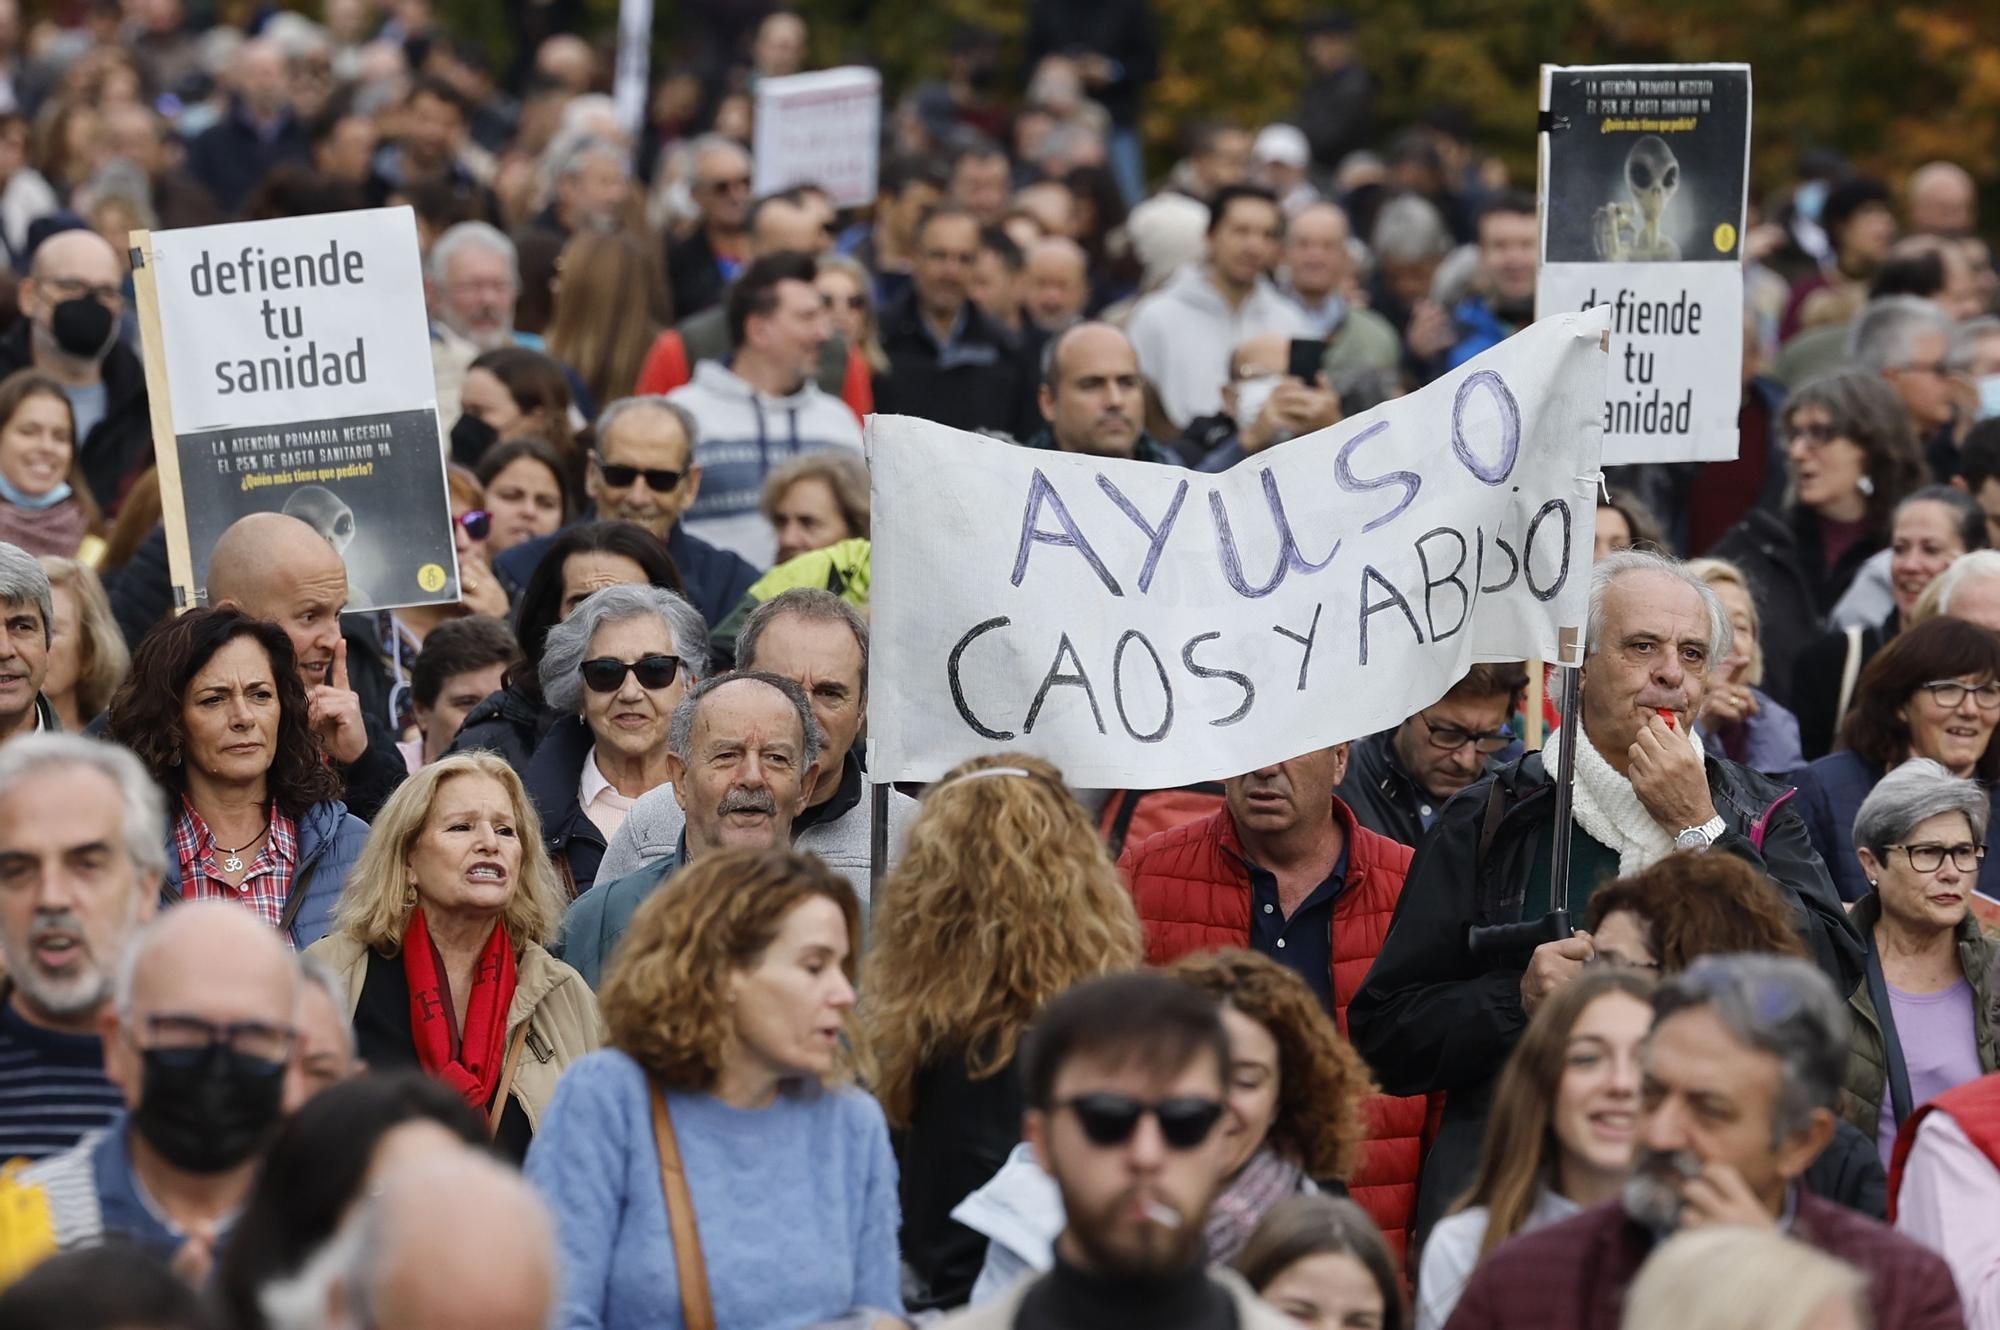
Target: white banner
[1644, 182]
[823, 129]
[1141, 625]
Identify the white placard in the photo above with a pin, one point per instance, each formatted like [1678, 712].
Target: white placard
[823, 129]
[1141, 625]
[1644, 183]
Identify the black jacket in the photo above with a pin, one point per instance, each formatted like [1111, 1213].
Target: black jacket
[1385, 798]
[230, 158]
[693, 279]
[984, 386]
[119, 447]
[552, 777]
[1816, 683]
[509, 723]
[712, 579]
[1789, 580]
[1431, 1016]
[960, 1133]
[1120, 30]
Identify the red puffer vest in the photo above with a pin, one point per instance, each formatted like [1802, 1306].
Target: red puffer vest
[1974, 1106]
[1193, 894]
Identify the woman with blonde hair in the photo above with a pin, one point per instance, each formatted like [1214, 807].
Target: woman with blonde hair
[1739, 717]
[713, 1156]
[88, 657]
[439, 938]
[1004, 898]
[1740, 1278]
[816, 500]
[1561, 1133]
[849, 294]
[603, 320]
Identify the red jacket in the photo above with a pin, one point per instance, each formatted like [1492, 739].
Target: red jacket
[1193, 894]
[1974, 1106]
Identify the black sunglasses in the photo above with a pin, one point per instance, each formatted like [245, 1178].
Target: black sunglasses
[658, 479]
[1110, 1119]
[606, 674]
[477, 523]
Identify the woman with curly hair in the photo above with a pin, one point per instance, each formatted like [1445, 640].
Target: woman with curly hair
[215, 710]
[712, 1156]
[1294, 1118]
[1004, 897]
[1561, 1133]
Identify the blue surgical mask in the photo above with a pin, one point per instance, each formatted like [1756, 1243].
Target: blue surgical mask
[1810, 197]
[1989, 396]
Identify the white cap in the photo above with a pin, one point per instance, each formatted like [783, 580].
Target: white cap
[1282, 144]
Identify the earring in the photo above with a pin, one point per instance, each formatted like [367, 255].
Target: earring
[1866, 485]
[1873, 883]
[410, 896]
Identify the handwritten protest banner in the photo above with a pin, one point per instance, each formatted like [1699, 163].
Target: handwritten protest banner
[289, 368]
[1141, 625]
[822, 128]
[1644, 181]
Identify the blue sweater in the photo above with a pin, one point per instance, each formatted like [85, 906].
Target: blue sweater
[795, 1203]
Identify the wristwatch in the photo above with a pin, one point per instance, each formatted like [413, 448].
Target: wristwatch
[1701, 837]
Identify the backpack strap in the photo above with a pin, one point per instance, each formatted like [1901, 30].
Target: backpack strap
[1850, 671]
[1489, 825]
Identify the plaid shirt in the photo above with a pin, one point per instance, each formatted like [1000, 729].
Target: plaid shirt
[266, 884]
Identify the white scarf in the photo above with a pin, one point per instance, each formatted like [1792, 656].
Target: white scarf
[1605, 805]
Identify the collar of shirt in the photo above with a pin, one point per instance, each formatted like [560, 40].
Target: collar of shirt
[195, 845]
[592, 783]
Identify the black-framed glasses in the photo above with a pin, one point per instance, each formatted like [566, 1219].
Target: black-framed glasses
[1816, 435]
[1949, 693]
[1941, 368]
[478, 523]
[1110, 1119]
[1451, 738]
[606, 674]
[1929, 856]
[725, 185]
[186, 1040]
[658, 478]
[858, 304]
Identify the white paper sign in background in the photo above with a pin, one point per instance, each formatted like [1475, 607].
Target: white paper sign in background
[1142, 625]
[823, 129]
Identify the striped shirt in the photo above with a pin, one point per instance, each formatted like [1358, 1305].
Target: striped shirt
[52, 1087]
[266, 884]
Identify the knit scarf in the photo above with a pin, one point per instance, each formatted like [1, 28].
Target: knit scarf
[1268, 1178]
[1605, 805]
[468, 1063]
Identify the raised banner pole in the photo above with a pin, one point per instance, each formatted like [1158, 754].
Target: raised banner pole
[159, 400]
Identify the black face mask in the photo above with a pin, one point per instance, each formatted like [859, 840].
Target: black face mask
[83, 327]
[208, 1110]
[470, 438]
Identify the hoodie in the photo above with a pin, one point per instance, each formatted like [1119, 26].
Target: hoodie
[1185, 332]
[743, 434]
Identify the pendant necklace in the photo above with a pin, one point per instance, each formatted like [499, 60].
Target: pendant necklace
[234, 863]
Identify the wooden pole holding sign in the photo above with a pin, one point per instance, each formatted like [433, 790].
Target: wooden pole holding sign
[160, 405]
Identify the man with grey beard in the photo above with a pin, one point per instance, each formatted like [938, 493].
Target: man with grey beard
[81, 857]
[1739, 1081]
[741, 753]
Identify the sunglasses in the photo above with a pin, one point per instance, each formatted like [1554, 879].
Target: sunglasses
[1110, 1119]
[658, 479]
[606, 674]
[859, 304]
[477, 523]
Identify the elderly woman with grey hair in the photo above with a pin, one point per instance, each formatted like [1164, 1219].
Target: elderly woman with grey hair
[613, 671]
[1852, 458]
[1923, 1020]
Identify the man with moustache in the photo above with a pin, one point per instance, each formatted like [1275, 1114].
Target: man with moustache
[1741, 1076]
[740, 750]
[81, 858]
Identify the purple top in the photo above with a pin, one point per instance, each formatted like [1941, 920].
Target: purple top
[1940, 1048]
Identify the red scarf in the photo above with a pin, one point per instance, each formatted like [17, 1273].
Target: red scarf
[470, 1064]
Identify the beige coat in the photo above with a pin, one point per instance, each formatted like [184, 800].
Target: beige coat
[550, 999]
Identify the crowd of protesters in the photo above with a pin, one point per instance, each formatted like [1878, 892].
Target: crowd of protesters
[535, 960]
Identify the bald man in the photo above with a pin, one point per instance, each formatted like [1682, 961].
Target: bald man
[1093, 397]
[451, 1241]
[1056, 275]
[197, 1039]
[278, 568]
[71, 304]
[1943, 200]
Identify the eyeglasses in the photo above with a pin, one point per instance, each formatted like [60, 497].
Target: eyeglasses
[1948, 693]
[1940, 368]
[1812, 436]
[658, 479]
[477, 523]
[858, 304]
[186, 1040]
[727, 185]
[69, 288]
[1110, 1119]
[606, 674]
[1930, 856]
[1451, 738]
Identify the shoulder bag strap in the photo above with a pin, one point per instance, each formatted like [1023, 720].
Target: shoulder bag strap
[697, 1313]
[296, 901]
[1850, 670]
[1895, 1071]
[498, 1108]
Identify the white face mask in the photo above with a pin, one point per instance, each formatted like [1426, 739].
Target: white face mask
[1251, 395]
[1989, 397]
